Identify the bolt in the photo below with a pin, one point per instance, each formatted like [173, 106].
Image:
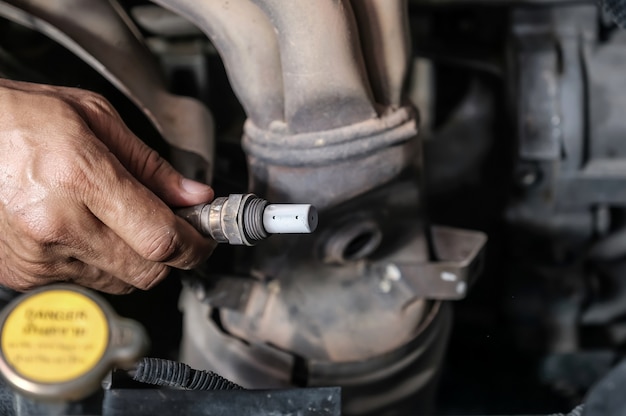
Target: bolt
[448, 277]
[385, 286]
[392, 272]
[528, 176]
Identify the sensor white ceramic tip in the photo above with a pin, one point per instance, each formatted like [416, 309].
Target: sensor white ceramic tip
[290, 218]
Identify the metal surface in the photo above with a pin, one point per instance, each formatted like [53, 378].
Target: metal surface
[606, 398]
[158, 20]
[524, 140]
[303, 402]
[327, 124]
[340, 160]
[103, 36]
[320, 94]
[245, 219]
[549, 53]
[449, 278]
[281, 317]
[383, 28]
[285, 96]
[248, 46]
[228, 220]
[18, 405]
[564, 142]
[320, 401]
[400, 380]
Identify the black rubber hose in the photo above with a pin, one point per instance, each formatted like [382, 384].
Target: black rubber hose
[174, 374]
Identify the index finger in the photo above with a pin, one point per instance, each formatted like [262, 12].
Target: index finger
[141, 219]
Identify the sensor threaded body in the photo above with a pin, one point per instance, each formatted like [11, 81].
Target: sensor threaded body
[245, 219]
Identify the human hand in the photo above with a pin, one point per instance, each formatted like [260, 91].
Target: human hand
[83, 200]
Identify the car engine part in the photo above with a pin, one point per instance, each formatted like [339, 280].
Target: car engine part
[58, 342]
[248, 219]
[518, 138]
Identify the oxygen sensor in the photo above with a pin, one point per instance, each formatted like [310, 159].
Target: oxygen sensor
[245, 219]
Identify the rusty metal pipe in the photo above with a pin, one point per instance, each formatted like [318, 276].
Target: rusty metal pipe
[384, 31]
[248, 46]
[325, 82]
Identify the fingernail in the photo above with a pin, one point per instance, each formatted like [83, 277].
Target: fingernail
[194, 187]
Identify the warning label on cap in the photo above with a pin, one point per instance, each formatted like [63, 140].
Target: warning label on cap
[55, 336]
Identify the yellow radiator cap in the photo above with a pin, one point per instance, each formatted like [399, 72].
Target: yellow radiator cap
[58, 342]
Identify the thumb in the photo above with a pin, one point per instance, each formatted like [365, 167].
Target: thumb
[141, 161]
[161, 178]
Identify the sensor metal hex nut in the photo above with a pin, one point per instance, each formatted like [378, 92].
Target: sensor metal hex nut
[238, 219]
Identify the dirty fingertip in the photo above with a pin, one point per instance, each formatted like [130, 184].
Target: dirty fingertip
[194, 187]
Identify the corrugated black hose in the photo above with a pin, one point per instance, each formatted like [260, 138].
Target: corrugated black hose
[174, 374]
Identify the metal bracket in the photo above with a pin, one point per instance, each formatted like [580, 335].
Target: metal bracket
[461, 258]
[460, 255]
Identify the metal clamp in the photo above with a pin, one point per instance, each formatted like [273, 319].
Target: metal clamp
[461, 258]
